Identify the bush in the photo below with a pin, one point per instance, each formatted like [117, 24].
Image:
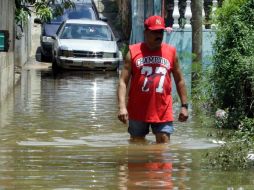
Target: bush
[230, 156]
[232, 82]
[233, 154]
[246, 130]
[233, 71]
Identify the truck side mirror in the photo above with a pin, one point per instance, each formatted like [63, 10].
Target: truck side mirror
[4, 40]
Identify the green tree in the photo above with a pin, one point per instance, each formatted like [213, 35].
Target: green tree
[233, 72]
[41, 8]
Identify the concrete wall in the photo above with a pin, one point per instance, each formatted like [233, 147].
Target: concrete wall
[19, 50]
[7, 58]
[22, 44]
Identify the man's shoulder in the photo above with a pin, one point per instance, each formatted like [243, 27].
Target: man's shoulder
[136, 47]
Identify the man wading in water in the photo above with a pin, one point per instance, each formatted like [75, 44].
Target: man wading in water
[149, 66]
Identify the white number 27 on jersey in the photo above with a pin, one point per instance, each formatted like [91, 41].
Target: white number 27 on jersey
[146, 70]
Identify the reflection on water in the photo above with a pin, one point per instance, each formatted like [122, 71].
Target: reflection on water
[147, 167]
[61, 132]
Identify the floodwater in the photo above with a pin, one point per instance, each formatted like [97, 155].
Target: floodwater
[60, 132]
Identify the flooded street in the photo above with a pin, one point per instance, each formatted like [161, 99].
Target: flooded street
[60, 132]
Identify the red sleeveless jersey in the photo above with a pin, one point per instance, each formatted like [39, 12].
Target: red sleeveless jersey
[150, 98]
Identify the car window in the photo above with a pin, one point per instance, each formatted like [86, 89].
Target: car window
[79, 13]
[87, 31]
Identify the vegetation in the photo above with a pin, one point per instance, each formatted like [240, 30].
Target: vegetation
[231, 82]
[233, 72]
[24, 8]
[234, 153]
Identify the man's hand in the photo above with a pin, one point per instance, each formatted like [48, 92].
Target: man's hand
[183, 115]
[123, 115]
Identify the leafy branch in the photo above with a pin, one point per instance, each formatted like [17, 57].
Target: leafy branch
[42, 8]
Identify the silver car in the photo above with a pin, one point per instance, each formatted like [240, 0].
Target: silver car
[85, 44]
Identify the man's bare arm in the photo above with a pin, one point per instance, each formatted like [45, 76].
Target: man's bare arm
[181, 89]
[122, 89]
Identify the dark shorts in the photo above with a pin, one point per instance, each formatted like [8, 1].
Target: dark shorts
[141, 129]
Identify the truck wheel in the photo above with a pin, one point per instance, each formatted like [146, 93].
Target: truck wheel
[55, 67]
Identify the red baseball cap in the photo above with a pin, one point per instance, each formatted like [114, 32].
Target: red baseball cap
[155, 23]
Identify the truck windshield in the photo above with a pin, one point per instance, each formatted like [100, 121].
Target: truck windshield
[79, 12]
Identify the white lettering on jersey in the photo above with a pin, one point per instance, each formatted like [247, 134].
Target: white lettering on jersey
[152, 60]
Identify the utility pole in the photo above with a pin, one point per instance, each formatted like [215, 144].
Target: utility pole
[196, 9]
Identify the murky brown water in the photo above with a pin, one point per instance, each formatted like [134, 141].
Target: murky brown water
[60, 132]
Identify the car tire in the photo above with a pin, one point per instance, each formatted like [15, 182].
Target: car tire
[55, 67]
[43, 57]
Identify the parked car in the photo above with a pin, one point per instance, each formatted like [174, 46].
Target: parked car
[85, 9]
[86, 44]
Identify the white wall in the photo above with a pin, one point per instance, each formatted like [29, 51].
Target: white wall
[19, 50]
[7, 58]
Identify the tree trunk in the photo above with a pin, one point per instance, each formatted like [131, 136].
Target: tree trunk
[196, 8]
